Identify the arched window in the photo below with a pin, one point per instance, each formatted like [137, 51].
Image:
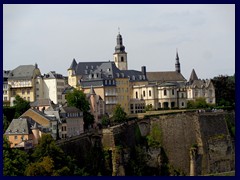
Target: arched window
[136, 95]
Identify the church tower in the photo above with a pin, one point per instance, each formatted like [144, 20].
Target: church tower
[120, 56]
[177, 64]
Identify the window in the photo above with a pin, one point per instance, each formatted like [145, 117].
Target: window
[182, 103]
[172, 91]
[182, 95]
[150, 93]
[28, 91]
[28, 98]
[144, 94]
[165, 92]
[122, 59]
[15, 137]
[136, 95]
[23, 91]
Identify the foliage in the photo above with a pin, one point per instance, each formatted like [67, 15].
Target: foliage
[155, 137]
[224, 90]
[198, 103]
[105, 120]
[14, 160]
[20, 106]
[137, 165]
[149, 107]
[42, 168]
[230, 124]
[6, 123]
[119, 115]
[78, 99]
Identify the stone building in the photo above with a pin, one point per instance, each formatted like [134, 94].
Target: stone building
[23, 133]
[22, 81]
[50, 86]
[112, 81]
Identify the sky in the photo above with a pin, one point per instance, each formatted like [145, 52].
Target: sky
[52, 35]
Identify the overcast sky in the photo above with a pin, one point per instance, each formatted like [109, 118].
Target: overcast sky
[52, 35]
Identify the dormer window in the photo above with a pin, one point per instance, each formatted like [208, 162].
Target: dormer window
[86, 67]
[92, 67]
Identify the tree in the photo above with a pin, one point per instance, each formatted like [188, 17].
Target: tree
[15, 161]
[224, 90]
[20, 106]
[49, 159]
[119, 115]
[78, 99]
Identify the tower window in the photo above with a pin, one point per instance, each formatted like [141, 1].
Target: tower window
[150, 93]
[144, 94]
[122, 59]
[172, 91]
[136, 95]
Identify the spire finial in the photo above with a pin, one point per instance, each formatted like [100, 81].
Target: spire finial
[118, 30]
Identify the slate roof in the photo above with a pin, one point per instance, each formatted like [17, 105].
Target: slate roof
[69, 110]
[22, 72]
[200, 83]
[193, 76]
[19, 126]
[53, 75]
[41, 102]
[134, 75]
[167, 76]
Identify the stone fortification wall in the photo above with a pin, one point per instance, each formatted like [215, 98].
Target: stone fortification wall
[206, 131]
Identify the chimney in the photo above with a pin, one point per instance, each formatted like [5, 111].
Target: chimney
[144, 70]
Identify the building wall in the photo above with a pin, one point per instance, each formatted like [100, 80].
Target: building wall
[123, 93]
[75, 126]
[15, 139]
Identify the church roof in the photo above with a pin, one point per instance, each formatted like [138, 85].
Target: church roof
[167, 76]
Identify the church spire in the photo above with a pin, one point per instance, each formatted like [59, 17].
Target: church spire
[119, 48]
[177, 64]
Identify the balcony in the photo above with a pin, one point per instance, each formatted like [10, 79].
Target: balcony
[111, 94]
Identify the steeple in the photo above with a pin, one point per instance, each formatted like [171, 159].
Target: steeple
[177, 64]
[119, 48]
[120, 56]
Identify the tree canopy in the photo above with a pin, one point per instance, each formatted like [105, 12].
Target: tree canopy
[20, 106]
[224, 90]
[119, 115]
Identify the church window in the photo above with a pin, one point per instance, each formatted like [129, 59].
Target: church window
[136, 95]
[150, 93]
[144, 94]
[182, 103]
[122, 59]
[172, 91]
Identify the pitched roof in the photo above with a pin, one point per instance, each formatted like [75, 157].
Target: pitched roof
[22, 72]
[73, 65]
[41, 102]
[19, 126]
[167, 76]
[69, 109]
[193, 76]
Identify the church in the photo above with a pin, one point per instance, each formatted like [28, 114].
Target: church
[135, 90]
